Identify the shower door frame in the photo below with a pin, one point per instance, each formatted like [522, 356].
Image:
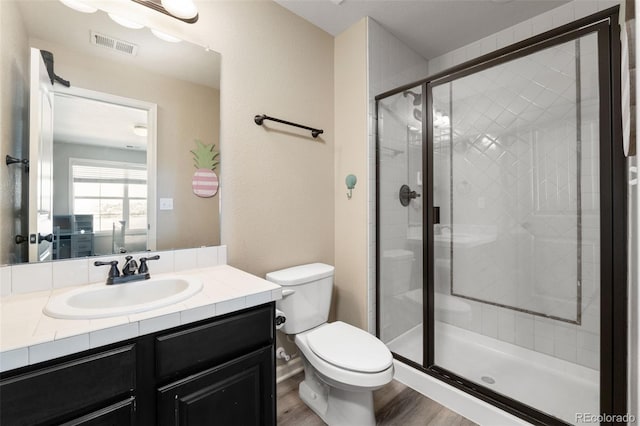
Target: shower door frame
[613, 219]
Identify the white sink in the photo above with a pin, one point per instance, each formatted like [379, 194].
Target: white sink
[101, 300]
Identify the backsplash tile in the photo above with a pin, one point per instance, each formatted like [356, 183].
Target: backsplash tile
[207, 256]
[31, 277]
[185, 259]
[68, 273]
[5, 281]
[163, 265]
[222, 255]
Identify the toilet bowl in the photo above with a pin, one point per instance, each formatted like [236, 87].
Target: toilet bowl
[343, 364]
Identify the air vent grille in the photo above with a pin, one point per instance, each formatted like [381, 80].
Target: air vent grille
[111, 43]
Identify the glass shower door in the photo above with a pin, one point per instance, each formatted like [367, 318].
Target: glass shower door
[399, 224]
[515, 150]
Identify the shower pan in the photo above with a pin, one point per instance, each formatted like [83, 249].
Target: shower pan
[501, 225]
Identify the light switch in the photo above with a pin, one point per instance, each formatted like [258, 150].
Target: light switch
[166, 203]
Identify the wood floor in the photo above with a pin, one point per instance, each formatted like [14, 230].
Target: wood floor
[395, 404]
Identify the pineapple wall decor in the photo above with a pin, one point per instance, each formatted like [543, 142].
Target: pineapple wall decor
[205, 181]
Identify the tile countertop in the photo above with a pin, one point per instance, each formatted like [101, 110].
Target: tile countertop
[28, 336]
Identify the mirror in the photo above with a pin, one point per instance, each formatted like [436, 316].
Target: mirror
[122, 170]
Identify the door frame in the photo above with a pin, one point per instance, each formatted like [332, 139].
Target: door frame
[152, 145]
[613, 211]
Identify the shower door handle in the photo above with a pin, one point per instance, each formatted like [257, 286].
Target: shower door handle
[436, 214]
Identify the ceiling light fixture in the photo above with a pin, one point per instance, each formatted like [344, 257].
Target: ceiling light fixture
[165, 36]
[183, 9]
[79, 6]
[140, 130]
[125, 22]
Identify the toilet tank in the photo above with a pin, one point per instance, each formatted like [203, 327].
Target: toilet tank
[306, 295]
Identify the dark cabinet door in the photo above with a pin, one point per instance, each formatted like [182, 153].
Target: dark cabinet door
[240, 392]
[120, 414]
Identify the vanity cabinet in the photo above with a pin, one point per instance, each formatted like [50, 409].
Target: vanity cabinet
[219, 371]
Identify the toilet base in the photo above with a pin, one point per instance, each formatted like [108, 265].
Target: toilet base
[336, 407]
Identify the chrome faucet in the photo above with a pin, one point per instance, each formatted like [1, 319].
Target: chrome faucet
[128, 270]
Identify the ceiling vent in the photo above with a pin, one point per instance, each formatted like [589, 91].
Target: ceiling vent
[111, 43]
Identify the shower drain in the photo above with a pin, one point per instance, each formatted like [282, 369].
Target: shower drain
[488, 379]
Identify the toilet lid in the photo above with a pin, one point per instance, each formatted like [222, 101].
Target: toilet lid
[350, 348]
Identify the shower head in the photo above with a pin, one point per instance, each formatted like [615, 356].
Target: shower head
[417, 98]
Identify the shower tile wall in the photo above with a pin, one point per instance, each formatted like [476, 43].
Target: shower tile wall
[579, 344]
[390, 64]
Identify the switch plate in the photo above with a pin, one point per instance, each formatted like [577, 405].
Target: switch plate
[166, 203]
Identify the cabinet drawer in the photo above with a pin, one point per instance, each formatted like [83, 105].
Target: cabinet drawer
[51, 392]
[120, 414]
[215, 342]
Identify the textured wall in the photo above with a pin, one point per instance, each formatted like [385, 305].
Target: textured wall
[351, 158]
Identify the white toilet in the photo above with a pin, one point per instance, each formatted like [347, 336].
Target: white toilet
[343, 364]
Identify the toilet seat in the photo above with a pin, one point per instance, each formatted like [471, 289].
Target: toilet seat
[341, 377]
[350, 348]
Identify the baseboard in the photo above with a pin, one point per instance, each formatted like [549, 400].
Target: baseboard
[291, 368]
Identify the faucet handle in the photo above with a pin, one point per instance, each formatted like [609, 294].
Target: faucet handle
[113, 272]
[143, 269]
[130, 266]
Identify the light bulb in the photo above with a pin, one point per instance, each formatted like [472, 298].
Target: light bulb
[125, 22]
[79, 6]
[184, 9]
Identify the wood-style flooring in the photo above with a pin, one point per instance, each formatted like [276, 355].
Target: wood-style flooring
[395, 404]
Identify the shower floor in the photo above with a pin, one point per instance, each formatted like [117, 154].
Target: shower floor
[555, 386]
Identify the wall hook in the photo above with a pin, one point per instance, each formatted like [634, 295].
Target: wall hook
[351, 181]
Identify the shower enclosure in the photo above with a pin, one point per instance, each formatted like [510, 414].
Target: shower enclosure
[501, 225]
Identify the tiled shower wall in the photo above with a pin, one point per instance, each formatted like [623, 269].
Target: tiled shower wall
[390, 64]
[576, 344]
[515, 163]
